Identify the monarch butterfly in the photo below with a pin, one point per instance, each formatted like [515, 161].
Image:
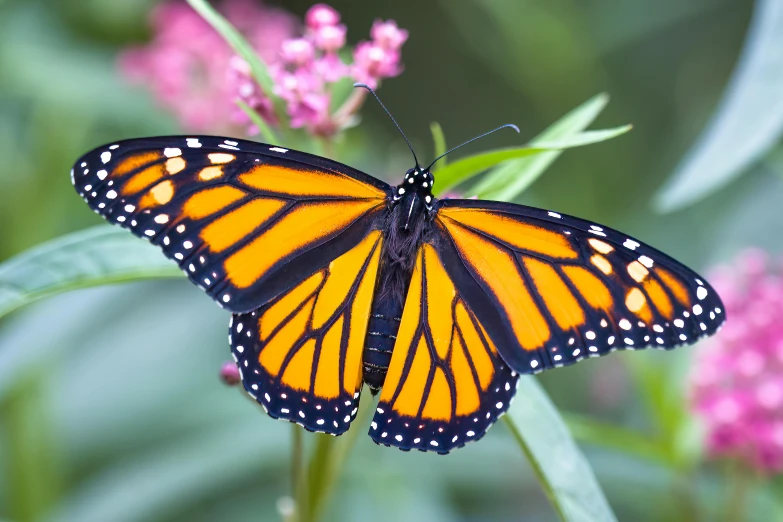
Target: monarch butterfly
[336, 279]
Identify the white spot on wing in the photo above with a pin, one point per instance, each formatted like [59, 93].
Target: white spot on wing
[646, 261]
[278, 149]
[555, 215]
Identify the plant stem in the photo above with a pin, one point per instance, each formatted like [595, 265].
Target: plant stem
[329, 459]
[349, 108]
[685, 490]
[299, 484]
[264, 130]
[737, 498]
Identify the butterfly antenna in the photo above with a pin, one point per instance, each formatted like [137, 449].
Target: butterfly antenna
[509, 125]
[365, 86]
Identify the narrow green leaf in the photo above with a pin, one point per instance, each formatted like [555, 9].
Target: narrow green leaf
[240, 46]
[96, 256]
[555, 458]
[465, 168]
[265, 130]
[564, 134]
[583, 138]
[510, 179]
[748, 122]
[439, 141]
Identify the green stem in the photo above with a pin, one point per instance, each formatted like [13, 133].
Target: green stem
[299, 483]
[329, 458]
[264, 130]
[684, 489]
[349, 108]
[739, 479]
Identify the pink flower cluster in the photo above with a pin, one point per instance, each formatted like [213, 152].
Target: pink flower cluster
[191, 70]
[311, 64]
[737, 377]
[195, 74]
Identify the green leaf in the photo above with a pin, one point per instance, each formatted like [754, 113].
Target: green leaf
[241, 46]
[96, 256]
[466, 168]
[748, 123]
[510, 179]
[582, 138]
[160, 483]
[265, 130]
[439, 141]
[555, 458]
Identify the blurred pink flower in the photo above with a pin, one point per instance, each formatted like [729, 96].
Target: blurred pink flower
[321, 15]
[229, 374]
[304, 76]
[195, 74]
[371, 62]
[737, 377]
[190, 69]
[387, 35]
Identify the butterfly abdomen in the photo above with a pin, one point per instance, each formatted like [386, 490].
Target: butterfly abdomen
[381, 335]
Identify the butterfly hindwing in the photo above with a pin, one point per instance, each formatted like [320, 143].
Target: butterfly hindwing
[300, 355]
[446, 383]
[552, 289]
[245, 221]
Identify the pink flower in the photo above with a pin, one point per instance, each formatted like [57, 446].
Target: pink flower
[229, 374]
[331, 38]
[321, 15]
[298, 52]
[372, 63]
[189, 68]
[737, 378]
[387, 35]
[195, 74]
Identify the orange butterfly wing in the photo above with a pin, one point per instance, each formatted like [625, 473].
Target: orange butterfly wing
[300, 355]
[446, 383]
[245, 221]
[553, 289]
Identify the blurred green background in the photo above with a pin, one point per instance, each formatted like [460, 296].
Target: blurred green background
[112, 409]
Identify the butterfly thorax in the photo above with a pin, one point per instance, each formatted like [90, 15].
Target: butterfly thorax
[407, 227]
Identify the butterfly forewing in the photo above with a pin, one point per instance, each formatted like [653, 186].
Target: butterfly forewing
[245, 221]
[555, 289]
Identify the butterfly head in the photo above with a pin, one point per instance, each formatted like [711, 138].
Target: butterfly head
[418, 181]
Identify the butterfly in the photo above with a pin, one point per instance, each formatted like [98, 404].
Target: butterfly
[335, 279]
